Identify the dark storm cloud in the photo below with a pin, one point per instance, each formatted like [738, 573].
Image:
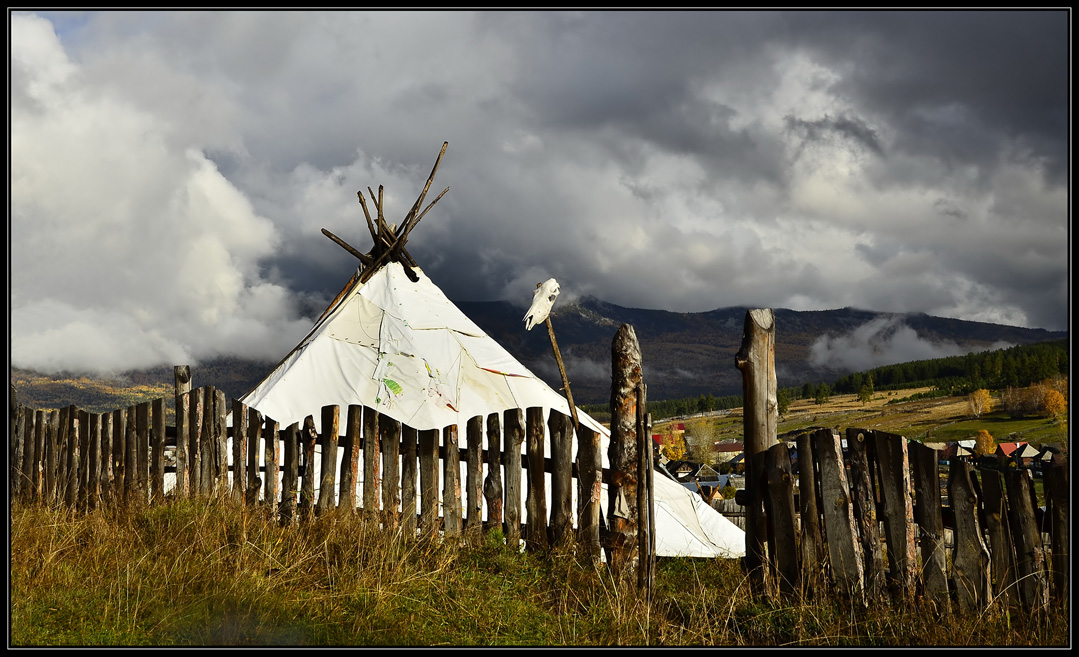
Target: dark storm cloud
[899, 161]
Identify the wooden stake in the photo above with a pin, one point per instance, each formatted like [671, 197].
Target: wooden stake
[562, 370]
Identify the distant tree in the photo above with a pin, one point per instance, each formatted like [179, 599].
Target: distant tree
[984, 444]
[865, 394]
[1054, 403]
[824, 394]
[783, 400]
[980, 401]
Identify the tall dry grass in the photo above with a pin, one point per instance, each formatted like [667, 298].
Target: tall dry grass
[205, 573]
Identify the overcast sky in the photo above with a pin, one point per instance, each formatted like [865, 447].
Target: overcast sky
[170, 172]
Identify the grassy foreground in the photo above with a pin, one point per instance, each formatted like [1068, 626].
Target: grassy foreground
[204, 573]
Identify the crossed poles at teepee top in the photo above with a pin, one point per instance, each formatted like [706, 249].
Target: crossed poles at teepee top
[389, 241]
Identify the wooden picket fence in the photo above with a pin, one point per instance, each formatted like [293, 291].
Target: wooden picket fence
[874, 526]
[86, 460]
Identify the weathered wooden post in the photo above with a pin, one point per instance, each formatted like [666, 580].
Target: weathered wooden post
[451, 482]
[1057, 495]
[756, 360]
[843, 549]
[428, 446]
[75, 431]
[40, 445]
[474, 475]
[589, 492]
[645, 556]
[561, 431]
[492, 484]
[142, 450]
[924, 464]
[390, 431]
[254, 482]
[862, 461]
[513, 436]
[308, 439]
[52, 442]
[290, 474]
[93, 461]
[350, 462]
[331, 424]
[896, 493]
[182, 410]
[1001, 549]
[107, 494]
[813, 555]
[239, 450]
[970, 558]
[779, 509]
[536, 502]
[84, 459]
[622, 451]
[194, 441]
[207, 442]
[1029, 552]
[22, 453]
[372, 482]
[157, 466]
[221, 444]
[409, 439]
[270, 472]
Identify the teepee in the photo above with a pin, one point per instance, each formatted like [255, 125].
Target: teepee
[391, 341]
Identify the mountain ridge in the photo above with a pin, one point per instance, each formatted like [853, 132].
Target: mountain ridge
[683, 354]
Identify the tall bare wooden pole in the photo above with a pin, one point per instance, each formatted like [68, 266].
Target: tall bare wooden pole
[756, 360]
[622, 451]
[562, 371]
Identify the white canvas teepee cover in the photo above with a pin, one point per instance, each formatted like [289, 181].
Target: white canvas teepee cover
[403, 349]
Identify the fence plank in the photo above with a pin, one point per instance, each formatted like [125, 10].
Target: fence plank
[895, 493]
[308, 438]
[331, 425]
[142, 450]
[451, 482]
[52, 442]
[1001, 549]
[73, 439]
[862, 454]
[925, 467]
[22, 461]
[779, 509]
[589, 491]
[536, 500]
[428, 445]
[84, 460]
[473, 502]
[372, 482]
[40, 445]
[1026, 536]
[221, 444]
[62, 431]
[22, 454]
[1058, 510]
[183, 445]
[254, 482]
[157, 465]
[512, 438]
[560, 427]
[108, 495]
[207, 442]
[194, 441]
[409, 446]
[289, 488]
[970, 558]
[492, 484]
[844, 555]
[239, 450]
[350, 460]
[813, 554]
[93, 461]
[271, 458]
[390, 436]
